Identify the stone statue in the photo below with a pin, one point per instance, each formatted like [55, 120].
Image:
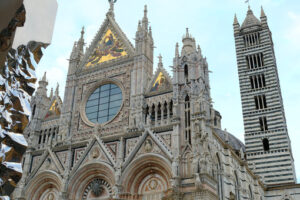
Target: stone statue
[50, 196]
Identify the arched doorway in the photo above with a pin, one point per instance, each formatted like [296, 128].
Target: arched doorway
[92, 181]
[147, 178]
[45, 186]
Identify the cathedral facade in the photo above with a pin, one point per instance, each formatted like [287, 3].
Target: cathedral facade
[123, 131]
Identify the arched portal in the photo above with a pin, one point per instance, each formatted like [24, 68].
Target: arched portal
[92, 181]
[44, 186]
[147, 177]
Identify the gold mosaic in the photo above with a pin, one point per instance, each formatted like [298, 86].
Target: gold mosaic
[109, 48]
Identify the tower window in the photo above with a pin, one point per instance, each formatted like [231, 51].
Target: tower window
[260, 102]
[255, 61]
[266, 144]
[186, 73]
[251, 39]
[263, 123]
[33, 111]
[187, 112]
[257, 81]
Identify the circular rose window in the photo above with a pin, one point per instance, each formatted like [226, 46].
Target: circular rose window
[104, 103]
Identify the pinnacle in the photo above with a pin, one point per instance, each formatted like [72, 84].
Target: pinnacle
[82, 32]
[44, 77]
[145, 11]
[57, 89]
[262, 14]
[160, 64]
[235, 20]
[177, 50]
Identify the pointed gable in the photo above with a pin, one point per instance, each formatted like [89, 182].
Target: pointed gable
[110, 44]
[54, 109]
[160, 83]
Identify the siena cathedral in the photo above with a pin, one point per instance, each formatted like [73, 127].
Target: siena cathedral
[124, 131]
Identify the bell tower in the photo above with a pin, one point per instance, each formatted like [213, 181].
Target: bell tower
[267, 141]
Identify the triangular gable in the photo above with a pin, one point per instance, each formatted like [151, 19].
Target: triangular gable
[95, 151]
[54, 109]
[161, 82]
[49, 161]
[149, 143]
[110, 44]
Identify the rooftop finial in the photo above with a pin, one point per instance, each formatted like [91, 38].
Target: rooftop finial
[235, 20]
[145, 18]
[262, 14]
[57, 90]
[82, 32]
[160, 64]
[145, 11]
[44, 77]
[111, 9]
[177, 50]
[51, 93]
[187, 32]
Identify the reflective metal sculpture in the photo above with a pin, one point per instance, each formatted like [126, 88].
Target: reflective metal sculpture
[17, 84]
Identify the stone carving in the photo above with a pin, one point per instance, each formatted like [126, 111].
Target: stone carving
[148, 146]
[96, 187]
[95, 153]
[50, 196]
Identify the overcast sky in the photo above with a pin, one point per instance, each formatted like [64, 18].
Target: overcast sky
[210, 22]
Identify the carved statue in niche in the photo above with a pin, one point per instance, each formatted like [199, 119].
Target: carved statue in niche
[95, 153]
[50, 196]
[148, 146]
[96, 188]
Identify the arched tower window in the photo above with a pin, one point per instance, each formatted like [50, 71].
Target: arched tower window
[159, 111]
[186, 73]
[33, 111]
[236, 186]
[146, 113]
[220, 180]
[187, 120]
[266, 144]
[153, 113]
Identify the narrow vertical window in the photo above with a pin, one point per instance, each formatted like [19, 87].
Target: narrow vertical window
[33, 111]
[187, 120]
[186, 73]
[266, 144]
[263, 123]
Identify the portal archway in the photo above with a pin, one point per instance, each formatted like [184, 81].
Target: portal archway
[92, 181]
[45, 186]
[147, 177]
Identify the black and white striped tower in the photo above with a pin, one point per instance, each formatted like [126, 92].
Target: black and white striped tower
[268, 146]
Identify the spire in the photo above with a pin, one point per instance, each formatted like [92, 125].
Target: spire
[189, 44]
[160, 64]
[81, 40]
[262, 13]
[44, 77]
[250, 20]
[199, 51]
[177, 50]
[235, 21]
[263, 17]
[57, 90]
[42, 89]
[145, 19]
[111, 8]
[187, 35]
[139, 26]
[150, 31]
[51, 93]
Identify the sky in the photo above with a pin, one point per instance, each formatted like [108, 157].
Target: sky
[210, 23]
